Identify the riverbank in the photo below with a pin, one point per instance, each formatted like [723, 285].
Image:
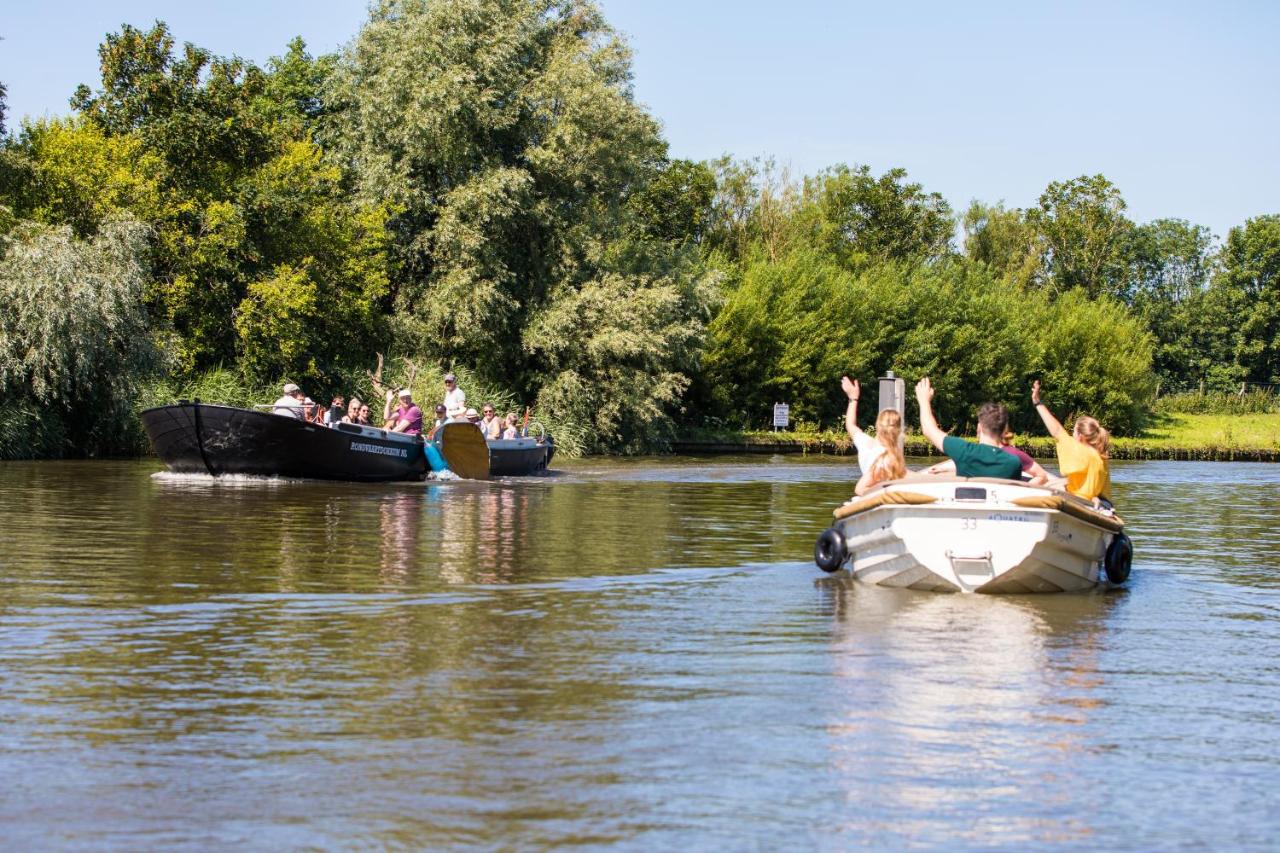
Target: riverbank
[1213, 438]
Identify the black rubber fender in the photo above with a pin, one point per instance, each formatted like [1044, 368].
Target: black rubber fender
[1119, 559]
[830, 551]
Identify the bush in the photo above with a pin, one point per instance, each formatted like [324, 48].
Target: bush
[790, 329]
[1258, 401]
[74, 342]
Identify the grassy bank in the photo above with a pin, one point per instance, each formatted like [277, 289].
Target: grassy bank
[1249, 437]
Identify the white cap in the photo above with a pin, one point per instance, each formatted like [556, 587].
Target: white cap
[449, 377]
[405, 393]
[309, 401]
[471, 413]
[290, 388]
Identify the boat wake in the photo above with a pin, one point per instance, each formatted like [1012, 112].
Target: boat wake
[230, 480]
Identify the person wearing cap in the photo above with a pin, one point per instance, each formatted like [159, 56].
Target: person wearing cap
[473, 417]
[407, 418]
[455, 400]
[289, 405]
[442, 415]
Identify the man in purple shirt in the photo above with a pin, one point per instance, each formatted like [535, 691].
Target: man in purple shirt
[406, 419]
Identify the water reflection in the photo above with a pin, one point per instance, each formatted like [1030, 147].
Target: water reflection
[399, 518]
[964, 705]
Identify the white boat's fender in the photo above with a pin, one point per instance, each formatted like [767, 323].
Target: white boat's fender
[1119, 559]
[830, 551]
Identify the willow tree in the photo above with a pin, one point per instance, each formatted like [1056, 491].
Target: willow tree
[506, 135]
[74, 341]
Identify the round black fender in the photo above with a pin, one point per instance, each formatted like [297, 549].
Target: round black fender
[1119, 559]
[830, 551]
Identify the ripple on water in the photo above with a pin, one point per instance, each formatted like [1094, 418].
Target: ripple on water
[634, 652]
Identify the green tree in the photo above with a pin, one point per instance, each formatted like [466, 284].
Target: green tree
[857, 217]
[1171, 263]
[791, 328]
[735, 199]
[675, 205]
[246, 210]
[1250, 283]
[208, 116]
[1086, 236]
[77, 175]
[506, 136]
[1005, 241]
[1093, 357]
[74, 342]
[321, 306]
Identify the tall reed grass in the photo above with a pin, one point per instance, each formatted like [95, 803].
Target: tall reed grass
[1257, 401]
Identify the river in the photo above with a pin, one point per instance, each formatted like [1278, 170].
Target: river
[634, 653]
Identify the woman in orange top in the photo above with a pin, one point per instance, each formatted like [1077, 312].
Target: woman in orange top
[1082, 455]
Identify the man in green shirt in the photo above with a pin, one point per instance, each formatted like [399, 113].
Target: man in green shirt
[983, 459]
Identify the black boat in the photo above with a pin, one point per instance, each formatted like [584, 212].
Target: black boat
[200, 438]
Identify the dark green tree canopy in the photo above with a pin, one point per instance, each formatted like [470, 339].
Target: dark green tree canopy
[676, 204]
[505, 134]
[1086, 236]
[861, 217]
[1250, 283]
[1005, 241]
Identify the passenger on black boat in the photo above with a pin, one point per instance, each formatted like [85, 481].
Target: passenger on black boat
[291, 403]
[441, 417]
[407, 418]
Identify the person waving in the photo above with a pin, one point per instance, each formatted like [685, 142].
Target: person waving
[1082, 454]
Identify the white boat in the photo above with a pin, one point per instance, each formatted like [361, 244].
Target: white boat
[953, 534]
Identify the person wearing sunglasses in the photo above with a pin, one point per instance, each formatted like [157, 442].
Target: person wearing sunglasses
[491, 423]
[455, 399]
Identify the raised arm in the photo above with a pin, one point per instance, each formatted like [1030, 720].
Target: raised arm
[852, 390]
[1050, 422]
[928, 425]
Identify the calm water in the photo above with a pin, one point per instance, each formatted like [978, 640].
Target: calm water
[636, 654]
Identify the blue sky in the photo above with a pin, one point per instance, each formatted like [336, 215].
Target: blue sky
[1174, 102]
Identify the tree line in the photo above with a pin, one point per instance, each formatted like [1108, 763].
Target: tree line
[474, 184]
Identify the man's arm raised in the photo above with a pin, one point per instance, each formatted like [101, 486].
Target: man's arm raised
[928, 425]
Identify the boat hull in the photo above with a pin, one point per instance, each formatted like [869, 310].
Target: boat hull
[957, 535]
[471, 456]
[199, 438]
[519, 457]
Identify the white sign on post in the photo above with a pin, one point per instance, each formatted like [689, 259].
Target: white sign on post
[781, 416]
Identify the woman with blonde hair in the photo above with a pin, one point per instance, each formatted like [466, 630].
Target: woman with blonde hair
[1082, 453]
[879, 458]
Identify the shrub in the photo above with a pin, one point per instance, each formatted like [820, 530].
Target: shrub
[1257, 401]
[74, 341]
[790, 329]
